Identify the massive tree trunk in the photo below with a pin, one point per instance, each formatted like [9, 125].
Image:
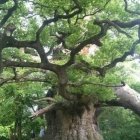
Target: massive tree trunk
[73, 122]
[78, 121]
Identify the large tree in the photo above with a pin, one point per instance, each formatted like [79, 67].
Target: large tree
[85, 40]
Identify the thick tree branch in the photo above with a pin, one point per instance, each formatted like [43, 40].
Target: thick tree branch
[43, 110]
[22, 80]
[129, 98]
[3, 1]
[25, 77]
[23, 64]
[5, 81]
[122, 58]
[121, 24]
[104, 25]
[45, 99]
[126, 97]
[110, 23]
[53, 106]
[92, 40]
[9, 13]
[102, 70]
[76, 10]
[130, 11]
[11, 42]
[94, 84]
[51, 67]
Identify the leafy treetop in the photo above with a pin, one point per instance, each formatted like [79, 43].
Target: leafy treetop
[66, 27]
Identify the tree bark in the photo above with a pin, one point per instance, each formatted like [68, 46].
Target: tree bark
[128, 98]
[73, 122]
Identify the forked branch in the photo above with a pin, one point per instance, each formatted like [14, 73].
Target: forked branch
[128, 10]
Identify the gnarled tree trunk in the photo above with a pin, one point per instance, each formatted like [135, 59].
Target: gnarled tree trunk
[73, 122]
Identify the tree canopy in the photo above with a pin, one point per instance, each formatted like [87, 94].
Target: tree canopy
[66, 27]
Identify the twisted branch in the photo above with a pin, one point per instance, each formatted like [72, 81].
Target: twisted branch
[130, 11]
[9, 13]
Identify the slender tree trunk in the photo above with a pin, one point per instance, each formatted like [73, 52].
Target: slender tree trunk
[76, 122]
[19, 134]
[12, 134]
[18, 117]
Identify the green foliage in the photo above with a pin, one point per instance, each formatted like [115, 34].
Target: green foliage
[136, 86]
[120, 124]
[4, 133]
[15, 55]
[15, 101]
